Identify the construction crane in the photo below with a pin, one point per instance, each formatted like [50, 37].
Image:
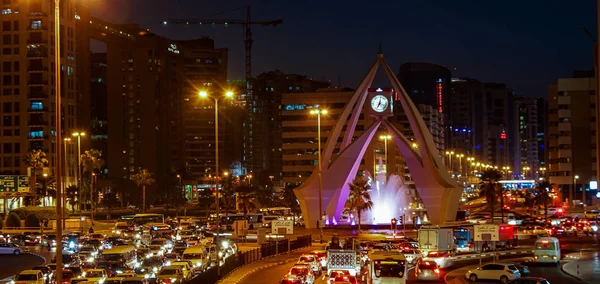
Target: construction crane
[247, 24]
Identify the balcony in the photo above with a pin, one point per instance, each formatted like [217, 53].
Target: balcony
[37, 28]
[37, 123]
[37, 137]
[37, 82]
[37, 68]
[37, 110]
[37, 95]
[37, 53]
[37, 41]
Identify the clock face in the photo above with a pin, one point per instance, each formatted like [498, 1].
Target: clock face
[379, 103]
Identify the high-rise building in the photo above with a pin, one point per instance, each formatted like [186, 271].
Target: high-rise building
[571, 130]
[467, 120]
[529, 115]
[27, 80]
[267, 148]
[426, 83]
[503, 138]
[98, 107]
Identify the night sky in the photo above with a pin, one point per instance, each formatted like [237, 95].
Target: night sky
[525, 44]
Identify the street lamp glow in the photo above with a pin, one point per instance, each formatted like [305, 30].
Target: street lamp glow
[415, 145]
[203, 94]
[576, 177]
[226, 173]
[229, 94]
[77, 134]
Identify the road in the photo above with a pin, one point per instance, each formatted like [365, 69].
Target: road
[13, 264]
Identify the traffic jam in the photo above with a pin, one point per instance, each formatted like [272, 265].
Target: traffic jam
[131, 253]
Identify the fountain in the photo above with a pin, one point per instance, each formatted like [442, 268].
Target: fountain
[390, 198]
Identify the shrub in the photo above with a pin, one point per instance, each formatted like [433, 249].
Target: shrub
[13, 220]
[46, 213]
[32, 220]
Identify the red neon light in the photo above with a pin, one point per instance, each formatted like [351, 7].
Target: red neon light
[439, 96]
[503, 135]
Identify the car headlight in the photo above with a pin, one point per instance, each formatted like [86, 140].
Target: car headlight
[155, 269]
[225, 244]
[90, 259]
[168, 263]
[173, 280]
[198, 263]
[137, 265]
[220, 254]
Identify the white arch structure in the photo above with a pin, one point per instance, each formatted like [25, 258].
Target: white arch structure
[439, 192]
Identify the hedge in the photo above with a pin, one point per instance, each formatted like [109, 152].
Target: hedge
[32, 220]
[44, 213]
[13, 220]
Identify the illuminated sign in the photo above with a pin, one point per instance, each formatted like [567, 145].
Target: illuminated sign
[439, 95]
[503, 135]
[593, 185]
[173, 48]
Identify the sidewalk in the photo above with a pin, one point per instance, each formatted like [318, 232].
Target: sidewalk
[586, 269]
[238, 275]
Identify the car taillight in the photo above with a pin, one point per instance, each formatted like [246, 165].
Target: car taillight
[436, 271]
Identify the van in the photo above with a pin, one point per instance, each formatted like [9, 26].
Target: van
[198, 255]
[546, 250]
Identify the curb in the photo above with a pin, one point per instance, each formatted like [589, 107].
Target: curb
[31, 253]
[470, 256]
[571, 275]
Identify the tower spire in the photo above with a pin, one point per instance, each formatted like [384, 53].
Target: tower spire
[380, 52]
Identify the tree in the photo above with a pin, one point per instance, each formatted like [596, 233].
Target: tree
[143, 178]
[490, 188]
[543, 196]
[205, 198]
[71, 195]
[35, 159]
[91, 163]
[264, 196]
[47, 188]
[226, 198]
[245, 197]
[359, 198]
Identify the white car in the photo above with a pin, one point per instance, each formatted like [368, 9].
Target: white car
[441, 258]
[412, 255]
[9, 248]
[494, 271]
[95, 275]
[311, 260]
[29, 277]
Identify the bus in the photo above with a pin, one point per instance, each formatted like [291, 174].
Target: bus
[255, 220]
[388, 267]
[463, 237]
[120, 254]
[142, 219]
[278, 211]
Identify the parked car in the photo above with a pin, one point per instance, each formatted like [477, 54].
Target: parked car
[494, 271]
[9, 248]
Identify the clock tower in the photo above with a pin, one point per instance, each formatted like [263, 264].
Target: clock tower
[379, 102]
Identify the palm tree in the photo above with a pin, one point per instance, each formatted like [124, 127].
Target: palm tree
[47, 188]
[490, 188]
[143, 178]
[91, 163]
[227, 198]
[543, 196]
[71, 193]
[35, 159]
[359, 198]
[245, 197]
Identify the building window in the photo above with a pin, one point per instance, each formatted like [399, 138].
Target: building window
[6, 66]
[7, 121]
[36, 24]
[7, 148]
[37, 105]
[36, 134]
[6, 11]
[6, 39]
[17, 148]
[7, 107]
[6, 51]
[6, 26]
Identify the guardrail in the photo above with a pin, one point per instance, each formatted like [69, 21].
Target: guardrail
[240, 259]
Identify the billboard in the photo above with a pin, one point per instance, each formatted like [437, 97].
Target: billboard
[14, 183]
[486, 233]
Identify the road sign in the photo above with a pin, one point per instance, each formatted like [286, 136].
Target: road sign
[14, 183]
[285, 225]
[486, 232]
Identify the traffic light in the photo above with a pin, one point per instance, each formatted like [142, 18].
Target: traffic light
[401, 220]
[394, 221]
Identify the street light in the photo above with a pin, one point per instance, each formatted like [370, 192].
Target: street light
[79, 135]
[228, 94]
[385, 138]
[450, 154]
[180, 187]
[460, 156]
[525, 171]
[58, 133]
[318, 112]
[575, 178]
[249, 178]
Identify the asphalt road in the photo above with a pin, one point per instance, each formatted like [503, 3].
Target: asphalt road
[13, 264]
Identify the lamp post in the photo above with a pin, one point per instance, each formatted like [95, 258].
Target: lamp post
[318, 112]
[575, 178]
[249, 178]
[92, 187]
[385, 138]
[460, 156]
[58, 131]
[526, 172]
[66, 140]
[180, 187]
[79, 135]
[450, 154]
[228, 94]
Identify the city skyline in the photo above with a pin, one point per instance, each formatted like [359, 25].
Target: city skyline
[513, 45]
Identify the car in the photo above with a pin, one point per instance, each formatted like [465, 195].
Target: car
[97, 275]
[441, 258]
[412, 255]
[67, 275]
[30, 277]
[290, 279]
[9, 248]
[381, 247]
[592, 214]
[151, 265]
[321, 256]
[347, 279]
[494, 271]
[80, 280]
[523, 269]
[427, 270]
[46, 272]
[172, 257]
[126, 275]
[113, 280]
[530, 280]
[186, 267]
[312, 261]
[135, 280]
[170, 275]
[303, 271]
[48, 240]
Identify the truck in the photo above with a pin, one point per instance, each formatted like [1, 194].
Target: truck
[436, 238]
[507, 235]
[343, 259]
